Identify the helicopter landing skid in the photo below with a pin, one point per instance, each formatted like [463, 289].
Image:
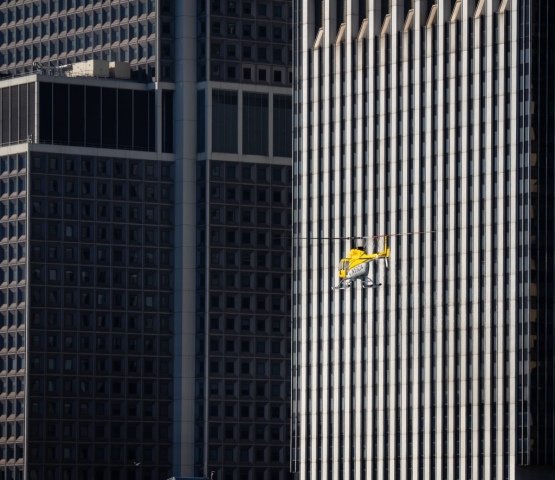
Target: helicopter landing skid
[343, 285]
[365, 284]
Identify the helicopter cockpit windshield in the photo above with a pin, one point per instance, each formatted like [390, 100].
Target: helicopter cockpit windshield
[344, 265]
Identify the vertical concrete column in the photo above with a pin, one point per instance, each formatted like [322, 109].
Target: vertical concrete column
[185, 118]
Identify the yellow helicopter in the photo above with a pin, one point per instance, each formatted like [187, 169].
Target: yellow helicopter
[356, 266]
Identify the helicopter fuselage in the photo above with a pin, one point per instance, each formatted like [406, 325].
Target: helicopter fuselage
[356, 265]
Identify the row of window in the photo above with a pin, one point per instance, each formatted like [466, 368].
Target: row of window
[103, 387]
[99, 255]
[148, 344]
[125, 9]
[10, 429]
[123, 235]
[13, 164]
[94, 167]
[12, 318]
[102, 410]
[251, 73]
[243, 454]
[101, 190]
[245, 238]
[248, 431]
[11, 407]
[234, 281]
[248, 389]
[100, 321]
[12, 363]
[118, 300]
[13, 253]
[247, 196]
[255, 115]
[14, 451]
[250, 31]
[13, 340]
[131, 366]
[272, 411]
[100, 277]
[262, 432]
[69, 408]
[231, 51]
[245, 367]
[69, 453]
[260, 195]
[11, 385]
[245, 345]
[248, 325]
[250, 173]
[260, 9]
[268, 303]
[43, 53]
[264, 260]
[82, 24]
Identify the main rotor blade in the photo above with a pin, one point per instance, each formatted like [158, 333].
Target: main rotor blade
[321, 239]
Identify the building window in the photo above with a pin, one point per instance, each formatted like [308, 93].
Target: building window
[255, 123]
[224, 126]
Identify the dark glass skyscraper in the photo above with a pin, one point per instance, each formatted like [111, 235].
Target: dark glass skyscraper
[243, 163]
[430, 120]
[86, 296]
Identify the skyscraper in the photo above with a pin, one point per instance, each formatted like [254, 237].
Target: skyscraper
[240, 160]
[146, 234]
[431, 119]
[87, 310]
[86, 299]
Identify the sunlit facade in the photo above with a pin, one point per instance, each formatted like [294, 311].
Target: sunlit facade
[433, 117]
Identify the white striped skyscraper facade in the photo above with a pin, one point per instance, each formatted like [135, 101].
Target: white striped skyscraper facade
[435, 117]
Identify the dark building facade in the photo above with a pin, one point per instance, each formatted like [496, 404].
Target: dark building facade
[536, 381]
[242, 41]
[243, 346]
[243, 153]
[100, 317]
[88, 290]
